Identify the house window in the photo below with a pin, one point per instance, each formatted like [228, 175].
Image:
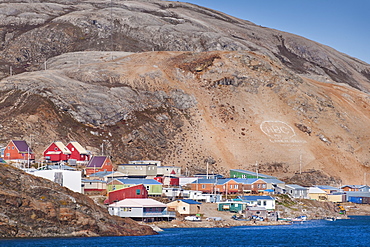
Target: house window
[264, 203]
[183, 209]
[13, 148]
[73, 149]
[7, 154]
[138, 192]
[55, 149]
[235, 186]
[9, 148]
[147, 187]
[203, 186]
[231, 186]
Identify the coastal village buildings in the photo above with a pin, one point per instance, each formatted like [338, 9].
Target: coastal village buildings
[98, 164]
[18, 151]
[57, 152]
[244, 191]
[78, 153]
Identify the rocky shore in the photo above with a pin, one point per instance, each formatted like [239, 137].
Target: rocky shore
[314, 210]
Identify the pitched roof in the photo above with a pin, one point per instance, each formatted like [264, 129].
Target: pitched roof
[189, 201]
[315, 190]
[352, 186]
[138, 203]
[62, 147]
[326, 187]
[22, 146]
[296, 186]
[107, 174]
[96, 161]
[138, 181]
[78, 146]
[93, 181]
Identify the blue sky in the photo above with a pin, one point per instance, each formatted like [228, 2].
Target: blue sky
[341, 24]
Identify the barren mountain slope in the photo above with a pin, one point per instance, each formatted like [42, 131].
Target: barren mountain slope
[33, 31]
[227, 109]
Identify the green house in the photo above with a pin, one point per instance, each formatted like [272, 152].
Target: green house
[153, 187]
[232, 206]
[238, 173]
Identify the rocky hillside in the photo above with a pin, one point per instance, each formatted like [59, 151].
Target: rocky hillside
[186, 85]
[35, 207]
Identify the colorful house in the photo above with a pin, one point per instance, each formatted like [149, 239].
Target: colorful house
[57, 152]
[98, 164]
[18, 150]
[185, 206]
[137, 191]
[153, 187]
[232, 206]
[351, 187]
[78, 153]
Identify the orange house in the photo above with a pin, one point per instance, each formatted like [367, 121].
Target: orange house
[18, 150]
[204, 185]
[221, 186]
[255, 187]
[98, 164]
[229, 186]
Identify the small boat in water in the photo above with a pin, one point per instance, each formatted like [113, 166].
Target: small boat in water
[301, 218]
[330, 218]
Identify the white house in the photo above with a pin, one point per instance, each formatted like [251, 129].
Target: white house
[296, 191]
[141, 208]
[267, 202]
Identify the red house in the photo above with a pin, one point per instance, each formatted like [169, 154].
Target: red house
[137, 191]
[57, 152]
[98, 164]
[78, 152]
[18, 150]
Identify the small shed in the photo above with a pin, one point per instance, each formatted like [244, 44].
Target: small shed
[185, 206]
[232, 206]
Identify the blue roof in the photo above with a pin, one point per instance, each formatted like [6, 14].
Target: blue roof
[101, 174]
[204, 181]
[255, 198]
[296, 186]
[326, 187]
[138, 181]
[93, 181]
[189, 201]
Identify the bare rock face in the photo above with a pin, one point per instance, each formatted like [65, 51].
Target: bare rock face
[186, 85]
[35, 207]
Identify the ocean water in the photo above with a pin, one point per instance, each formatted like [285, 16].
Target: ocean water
[350, 232]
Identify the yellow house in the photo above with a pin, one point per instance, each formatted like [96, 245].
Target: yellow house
[337, 197]
[185, 206]
[317, 194]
